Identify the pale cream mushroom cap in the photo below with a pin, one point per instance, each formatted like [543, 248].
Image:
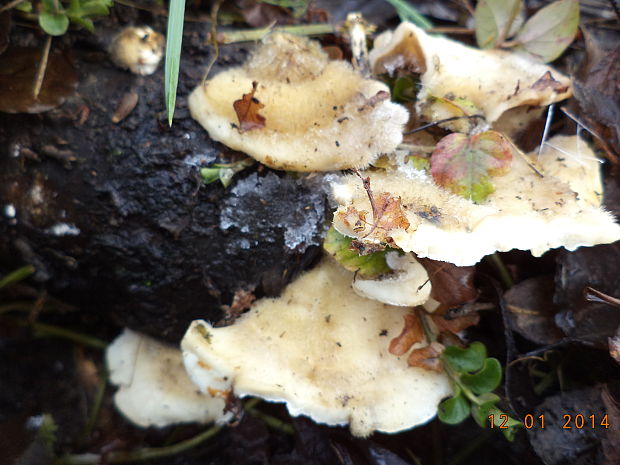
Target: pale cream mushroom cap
[323, 350]
[407, 286]
[527, 212]
[153, 387]
[493, 80]
[319, 115]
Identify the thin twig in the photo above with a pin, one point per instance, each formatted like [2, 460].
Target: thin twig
[36, 89]
[213, 39]
[445, 120]
[147, 453]
[450, 30]
[10, 5]
[252, 35]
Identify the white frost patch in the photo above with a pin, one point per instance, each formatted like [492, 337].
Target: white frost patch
[9, 211]
[63, 229]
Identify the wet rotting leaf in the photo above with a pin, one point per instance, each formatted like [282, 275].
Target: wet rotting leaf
[18, 67]
[247, 109]
[465, 164]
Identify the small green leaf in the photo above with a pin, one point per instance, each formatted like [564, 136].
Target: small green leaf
[547, 34]
[439, 108]
[224, 172]
[418, 162]
[496, 20]
[405, 89]
[174, 39]
[465, 360]
[485, 380]
[506, 424]
[55, 24]
[26, 7]
[481, 411]
[465, 164]
[368, 266]
[47, 432]
[453, 410]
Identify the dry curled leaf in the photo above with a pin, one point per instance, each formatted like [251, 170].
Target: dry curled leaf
[126, 105]
[247, 109]
[547, 81]
[452, 285]
[456, 325]
[412, 333]
[427, 357]
[18, 67]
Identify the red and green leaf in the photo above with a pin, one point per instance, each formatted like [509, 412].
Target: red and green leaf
[465, 164]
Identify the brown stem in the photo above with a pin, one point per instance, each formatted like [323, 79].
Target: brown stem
[42, 67]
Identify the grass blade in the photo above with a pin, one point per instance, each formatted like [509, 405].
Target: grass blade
[406, 12]
[174, 39]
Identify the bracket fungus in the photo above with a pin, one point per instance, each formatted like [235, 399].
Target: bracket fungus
[291, 108]
[527, 211]
[323, 350]
[407, 286]
[154, 389]
[493, 80]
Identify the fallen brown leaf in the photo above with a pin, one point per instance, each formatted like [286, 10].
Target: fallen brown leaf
[452, 285]
[247, 109]
[412, 332]
[427, 357]
[18, 67]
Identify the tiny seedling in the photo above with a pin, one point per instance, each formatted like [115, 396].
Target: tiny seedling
[224, 172]
[474, 377]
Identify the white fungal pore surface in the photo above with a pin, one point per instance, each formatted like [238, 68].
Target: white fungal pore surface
[527, 211]
[323, 350]
[319, 114]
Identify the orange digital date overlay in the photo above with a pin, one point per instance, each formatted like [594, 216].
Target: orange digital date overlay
[577, 421]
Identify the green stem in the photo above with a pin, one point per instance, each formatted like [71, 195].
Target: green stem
[8, 6]
[257, 34]
[272, 422]
[466, 452]
[18, 274]
[504, 274]
[96, 408]
[45, 329]
[147, 453]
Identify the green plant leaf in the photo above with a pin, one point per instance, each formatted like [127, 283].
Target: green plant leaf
[17, 275]
[453, 410]
[26, 7]
[485, 380]
[439, 108]
[465, 164]
[509, 427]
[465, 360]
[47, 432]
[174, 39]
[405, 89]
[55, 24]
[368, 266]
[547, 34]
[224, 172]
[407, 12]
[497, 20]
[481, 411]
